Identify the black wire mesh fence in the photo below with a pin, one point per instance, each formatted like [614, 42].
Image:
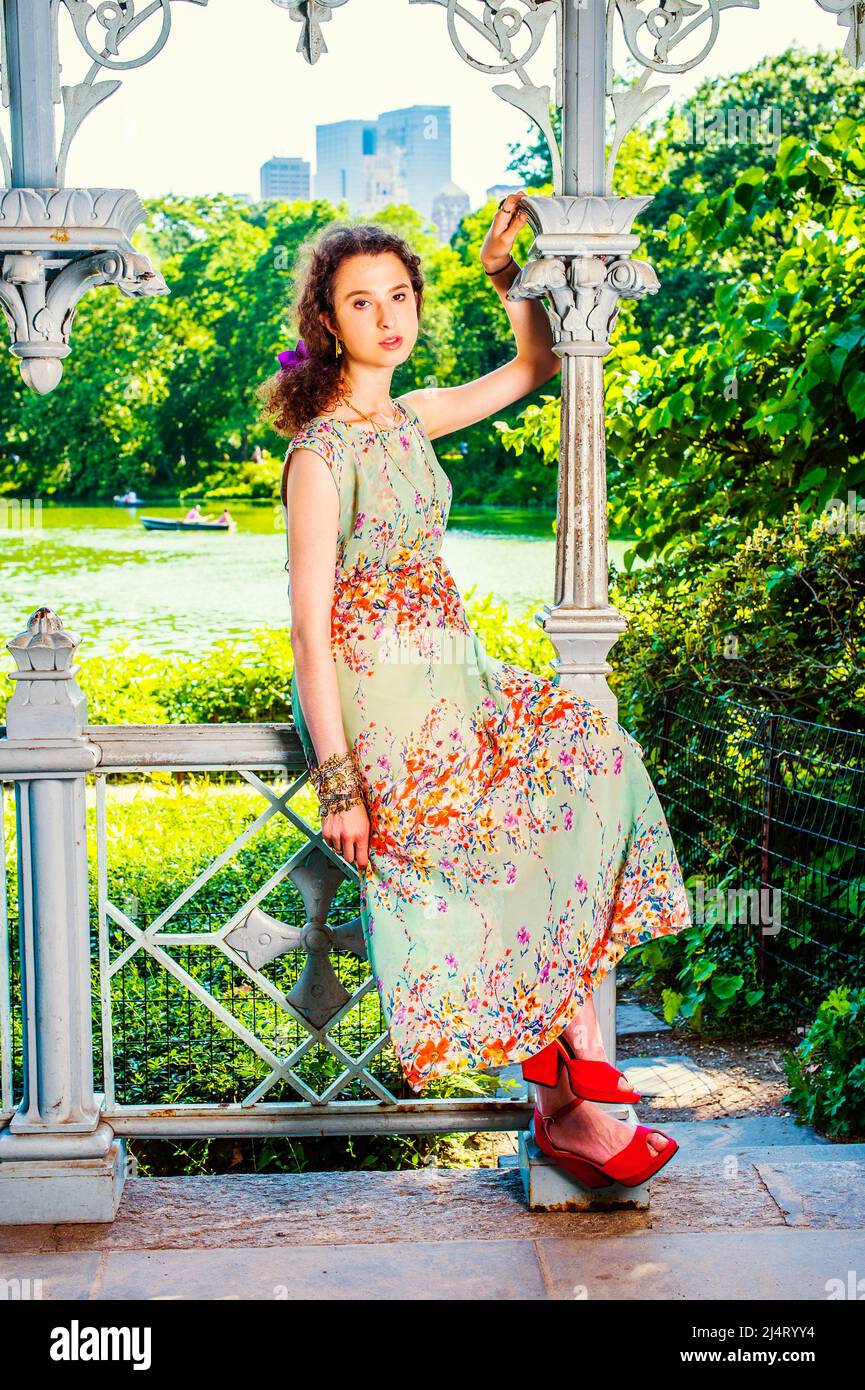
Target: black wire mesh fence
[766, 812]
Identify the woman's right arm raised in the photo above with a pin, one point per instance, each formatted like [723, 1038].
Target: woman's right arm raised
[312, 502]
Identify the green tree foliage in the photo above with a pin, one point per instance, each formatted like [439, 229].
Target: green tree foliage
[699, 147]
[763, 404]
[159, 394]
[705, 145]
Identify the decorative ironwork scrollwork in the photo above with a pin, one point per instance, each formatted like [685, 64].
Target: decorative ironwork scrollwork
[501, 24]
[669, 24]
[851, 15]
[311, 14]
[119, 20]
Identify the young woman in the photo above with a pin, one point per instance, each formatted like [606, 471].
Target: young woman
[509, 843]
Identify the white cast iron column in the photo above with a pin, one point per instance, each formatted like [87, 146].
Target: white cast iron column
[59, 1161]
[580, 266]
[57, 243]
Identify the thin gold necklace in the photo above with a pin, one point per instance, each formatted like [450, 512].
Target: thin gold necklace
[352, 406]
[380, 435]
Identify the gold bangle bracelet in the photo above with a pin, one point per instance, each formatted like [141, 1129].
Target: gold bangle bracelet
[337, 783]
[333, 805]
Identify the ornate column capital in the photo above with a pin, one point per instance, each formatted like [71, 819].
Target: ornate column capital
[581, 264]
[55, 245]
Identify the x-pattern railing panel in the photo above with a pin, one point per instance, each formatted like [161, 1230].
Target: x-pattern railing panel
[155, 937]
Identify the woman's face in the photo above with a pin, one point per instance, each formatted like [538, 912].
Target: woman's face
[376, 309]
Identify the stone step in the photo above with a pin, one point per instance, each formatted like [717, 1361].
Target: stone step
[633, 1020]
[729, 1265]
[748, 1131]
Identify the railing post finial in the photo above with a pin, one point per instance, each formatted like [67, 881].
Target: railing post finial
[47, 702]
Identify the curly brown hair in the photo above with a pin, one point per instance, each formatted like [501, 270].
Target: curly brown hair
[289, 399]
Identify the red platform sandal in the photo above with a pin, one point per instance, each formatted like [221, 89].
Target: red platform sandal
[589, 1080]
[634, 1165]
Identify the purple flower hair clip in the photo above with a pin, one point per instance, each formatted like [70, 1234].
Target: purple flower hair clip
[289, 359]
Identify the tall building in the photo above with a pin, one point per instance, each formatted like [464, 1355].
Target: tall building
[383, 184]
[418, 139]
[286, 177]
[450, 205]
[402, 157]
[343, 150]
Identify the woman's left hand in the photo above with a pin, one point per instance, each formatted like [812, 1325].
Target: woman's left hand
[499, 240]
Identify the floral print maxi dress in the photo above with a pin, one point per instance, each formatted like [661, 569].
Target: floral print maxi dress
[517, 845]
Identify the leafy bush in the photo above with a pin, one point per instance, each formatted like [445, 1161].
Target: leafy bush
[774, 621]
[250, 681]
[827, 1070]
[234, 682]
[509, 636]
[706, 975]
[233, 481]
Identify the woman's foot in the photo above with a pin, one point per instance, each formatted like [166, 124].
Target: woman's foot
[588, 1130]
[583, 1033]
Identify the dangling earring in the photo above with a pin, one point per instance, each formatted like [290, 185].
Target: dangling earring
[338, 344]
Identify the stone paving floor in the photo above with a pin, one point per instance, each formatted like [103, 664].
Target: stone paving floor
[754, 1206]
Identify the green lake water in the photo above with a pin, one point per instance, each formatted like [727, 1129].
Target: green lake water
[173, 592]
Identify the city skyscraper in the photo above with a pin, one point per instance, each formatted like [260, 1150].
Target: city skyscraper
[285, 176]
[402, 157]
[450, 205]
[418, 139]
[343, 150]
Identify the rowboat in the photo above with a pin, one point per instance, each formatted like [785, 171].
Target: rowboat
[158, 523]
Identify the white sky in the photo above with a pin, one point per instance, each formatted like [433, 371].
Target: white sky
[229, 90]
